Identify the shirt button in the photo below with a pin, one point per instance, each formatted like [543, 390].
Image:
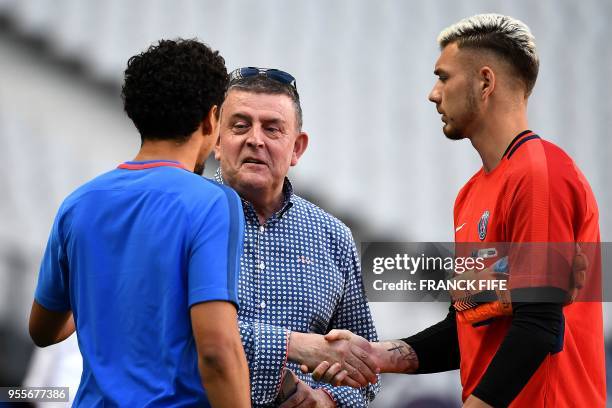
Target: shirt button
[262, 265]
[261, 229]
[262, 304]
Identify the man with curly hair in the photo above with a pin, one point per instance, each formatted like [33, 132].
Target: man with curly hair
[143, 260]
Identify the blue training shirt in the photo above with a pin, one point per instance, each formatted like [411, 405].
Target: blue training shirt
[129, 253]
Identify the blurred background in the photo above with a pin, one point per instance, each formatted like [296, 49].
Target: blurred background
[377, 157]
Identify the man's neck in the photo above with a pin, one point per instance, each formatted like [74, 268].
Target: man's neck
[493, 137]
[265, 203]
[185, 153]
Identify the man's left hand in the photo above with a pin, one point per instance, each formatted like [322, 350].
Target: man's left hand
[305, 397]
[580, 265]
[475, 402]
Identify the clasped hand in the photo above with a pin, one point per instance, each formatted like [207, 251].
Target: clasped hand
[342, 358]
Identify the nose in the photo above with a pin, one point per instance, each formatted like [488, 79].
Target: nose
[434, 94]
[255, 137]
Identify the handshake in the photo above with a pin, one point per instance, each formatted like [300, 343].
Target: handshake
[343, 358]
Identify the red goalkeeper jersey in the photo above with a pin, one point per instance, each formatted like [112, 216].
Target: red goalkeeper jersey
[536, 194]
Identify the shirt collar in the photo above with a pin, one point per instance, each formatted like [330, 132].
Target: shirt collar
[288, 196]
[149, 164]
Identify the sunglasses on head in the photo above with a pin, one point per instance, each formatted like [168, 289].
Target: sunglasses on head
[271, 73]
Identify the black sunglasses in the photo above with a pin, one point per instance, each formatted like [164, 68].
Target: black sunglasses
[272, 73]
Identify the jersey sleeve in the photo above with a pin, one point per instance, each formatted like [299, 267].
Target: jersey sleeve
[539, 228]
[52, 290]
[214, 261]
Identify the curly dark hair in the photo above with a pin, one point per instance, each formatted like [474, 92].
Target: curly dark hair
[170, 88]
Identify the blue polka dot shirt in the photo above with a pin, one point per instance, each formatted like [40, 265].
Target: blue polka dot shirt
[300, 272]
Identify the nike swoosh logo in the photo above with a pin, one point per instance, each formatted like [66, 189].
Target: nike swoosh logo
[459, 227]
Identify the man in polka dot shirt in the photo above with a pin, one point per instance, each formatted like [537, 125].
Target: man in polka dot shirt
[300, 272]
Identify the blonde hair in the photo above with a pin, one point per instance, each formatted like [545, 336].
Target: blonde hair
[507, 37]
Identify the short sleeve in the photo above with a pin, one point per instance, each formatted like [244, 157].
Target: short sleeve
[539, 230]
[214, 257]
[52, 290]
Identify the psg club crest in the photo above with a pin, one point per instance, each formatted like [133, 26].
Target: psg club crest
[483, 224]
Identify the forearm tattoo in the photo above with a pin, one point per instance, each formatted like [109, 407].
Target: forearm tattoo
[405, 353]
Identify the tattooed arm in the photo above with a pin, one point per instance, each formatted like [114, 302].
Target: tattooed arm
[435, 349]
[396, 356]
[393, 356]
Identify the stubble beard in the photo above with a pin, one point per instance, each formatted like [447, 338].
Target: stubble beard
[458, 131]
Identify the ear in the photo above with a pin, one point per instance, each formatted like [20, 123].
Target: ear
[299, 147]
[210, 127]
[487, 82]
[210, 124]
[217, 149]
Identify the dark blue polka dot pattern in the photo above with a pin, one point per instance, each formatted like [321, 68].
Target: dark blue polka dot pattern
[299, 272]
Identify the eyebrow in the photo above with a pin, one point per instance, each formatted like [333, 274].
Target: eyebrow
[249, 118]
[242, 116]
[277, 121]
